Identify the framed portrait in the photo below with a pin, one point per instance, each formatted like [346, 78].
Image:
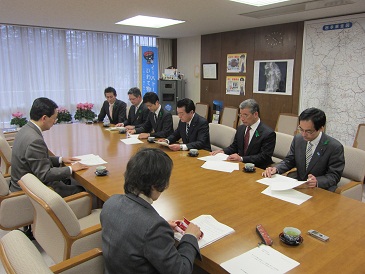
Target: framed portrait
[273, 77]
[210, 71]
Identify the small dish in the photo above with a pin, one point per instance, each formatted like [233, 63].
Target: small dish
[101, 173]
[150, 141]
[285, 241]
[193, 155]
[249, 170]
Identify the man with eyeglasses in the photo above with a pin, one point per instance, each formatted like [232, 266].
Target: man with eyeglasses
[30, 153]
[254, 141]
[138, 112]
[319, 158]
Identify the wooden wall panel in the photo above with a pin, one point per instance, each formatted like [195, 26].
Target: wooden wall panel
[254, 42]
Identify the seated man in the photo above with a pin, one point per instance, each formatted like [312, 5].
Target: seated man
[115, 109]
[30, 152]
[260, 139]
[192, 129]
[138, 112]
[319, 158]
[159, 121]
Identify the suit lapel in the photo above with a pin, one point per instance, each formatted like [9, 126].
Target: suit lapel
[254, 139]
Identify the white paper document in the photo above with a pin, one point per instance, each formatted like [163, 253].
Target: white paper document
[212, 229]
[131, 141]
[221, 166]
[114, 128]
[162, 143]
[290, 195]
[280, 182]
[262, 259]
[217, 157]
[91, 160]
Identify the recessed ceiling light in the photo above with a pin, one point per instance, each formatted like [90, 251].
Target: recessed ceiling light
[149, 22]
[259, 3]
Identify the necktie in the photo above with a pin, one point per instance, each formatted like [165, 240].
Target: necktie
[111, 111]
[246, 140]
[155, 116]
[136, 110]
[187, 131]
[308, 154]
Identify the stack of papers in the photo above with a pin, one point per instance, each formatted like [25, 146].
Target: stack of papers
[281, 187]
[221, 166]
[217, 157]
[91, 160]
[132, 139]
[262, 259]
[212, 229]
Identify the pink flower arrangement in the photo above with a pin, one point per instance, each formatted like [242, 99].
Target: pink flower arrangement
[84, 111]
[63, 115]
[18, 119]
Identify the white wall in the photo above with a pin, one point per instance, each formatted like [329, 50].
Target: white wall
[188, 63]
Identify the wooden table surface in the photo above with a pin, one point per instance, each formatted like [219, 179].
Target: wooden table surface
[234, 199]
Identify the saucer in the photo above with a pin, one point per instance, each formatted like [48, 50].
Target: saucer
[193, 155]
[285, 241]
[150, 141]
[249, 171]
[101, 173]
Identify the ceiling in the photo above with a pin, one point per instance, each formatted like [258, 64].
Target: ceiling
[201, 16]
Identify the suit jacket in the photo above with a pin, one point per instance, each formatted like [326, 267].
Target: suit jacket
[136, 239]
[327, 162]
[161, 128]
[30, 155]
[260, 149]
[198, 133]
[119, 112]
[139, 118]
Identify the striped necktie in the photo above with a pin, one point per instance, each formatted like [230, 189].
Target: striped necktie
[246, 140]
[187, 131]
[308, 154]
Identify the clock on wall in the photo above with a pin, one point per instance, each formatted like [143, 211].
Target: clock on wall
[274, 39]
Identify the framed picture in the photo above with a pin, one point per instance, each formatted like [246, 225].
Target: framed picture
[210, 71]
[273, 77]
[236, 62]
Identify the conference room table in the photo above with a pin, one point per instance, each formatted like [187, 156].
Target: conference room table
[234, 199]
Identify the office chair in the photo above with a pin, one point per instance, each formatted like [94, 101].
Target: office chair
[282, 147]
[16, 210]
[20, 256]
[202, 109]
[175, 121]
[63, 227]
[5, 155]
[287, 123]
[351, 183]
[221, 136]
[229, 117]
[359, 141]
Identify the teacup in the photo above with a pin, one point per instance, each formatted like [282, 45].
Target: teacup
[123, 130]
[193, 152]
[249, 167]
[151, 139]
[291, 234]
[101, 169]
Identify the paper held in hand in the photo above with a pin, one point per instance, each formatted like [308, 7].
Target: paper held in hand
[213, 230]
[162, 143]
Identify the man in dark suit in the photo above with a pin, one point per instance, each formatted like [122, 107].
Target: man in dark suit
[260, 144]
[115, 109]
[135, 238]
[138, 112]
[319, 158]
[159, 121]
[192, 129]
[30, 152]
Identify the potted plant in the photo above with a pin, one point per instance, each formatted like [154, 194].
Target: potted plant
[64, 116]
[18, 119]
[84, 112]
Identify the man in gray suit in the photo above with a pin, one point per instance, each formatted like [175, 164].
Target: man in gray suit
[135, 238]
[30, 152]
[319, 158]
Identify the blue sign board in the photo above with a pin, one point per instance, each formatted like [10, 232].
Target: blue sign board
[337, 26]
[149, 69]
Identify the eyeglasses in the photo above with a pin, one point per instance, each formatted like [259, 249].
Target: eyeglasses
[310, 132]
[244, 115]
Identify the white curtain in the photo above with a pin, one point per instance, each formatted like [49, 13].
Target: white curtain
[164, 54]
[67, 66]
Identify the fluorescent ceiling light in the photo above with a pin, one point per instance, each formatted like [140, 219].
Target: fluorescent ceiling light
[149, 22]
[259, 3]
